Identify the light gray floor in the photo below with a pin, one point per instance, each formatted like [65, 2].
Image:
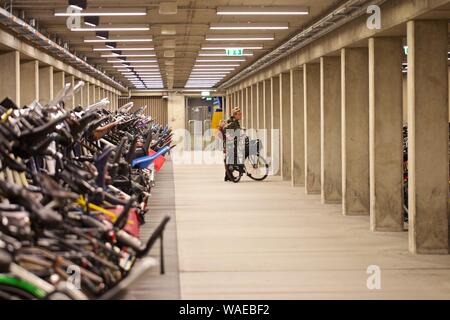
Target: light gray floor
[271, 241]
[154, 286]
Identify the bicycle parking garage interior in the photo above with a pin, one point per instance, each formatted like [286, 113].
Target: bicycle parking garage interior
[224, 150]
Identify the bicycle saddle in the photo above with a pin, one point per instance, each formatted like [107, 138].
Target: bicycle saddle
[145, 162]
[5, 261]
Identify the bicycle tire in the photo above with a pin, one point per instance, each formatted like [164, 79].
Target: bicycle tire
[266, 167]
[229, 171]
[15, 293]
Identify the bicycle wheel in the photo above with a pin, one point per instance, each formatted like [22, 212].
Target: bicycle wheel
[232, 173]
[256, 167]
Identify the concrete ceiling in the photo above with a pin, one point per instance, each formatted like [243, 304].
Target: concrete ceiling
[191, 23]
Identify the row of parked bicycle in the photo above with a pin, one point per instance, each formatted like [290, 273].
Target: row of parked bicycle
[75, 188]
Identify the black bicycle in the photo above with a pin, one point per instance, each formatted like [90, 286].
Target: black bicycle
[247, 161]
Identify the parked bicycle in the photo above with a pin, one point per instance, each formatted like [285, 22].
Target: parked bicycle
[243, 157]
[75, 188]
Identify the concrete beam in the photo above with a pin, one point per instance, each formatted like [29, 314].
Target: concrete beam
[29, 82]
[386, 134]
[297, 128]
[330, 124]
[355, 131]
[428, 136]
[394, 13]
[17, 44]
[285, 125]
[311, 73]
[10, 81]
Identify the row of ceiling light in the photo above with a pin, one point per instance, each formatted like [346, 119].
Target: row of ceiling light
[211, 66]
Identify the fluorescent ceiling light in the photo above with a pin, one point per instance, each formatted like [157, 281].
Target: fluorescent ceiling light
[239, 37]
[131, 61]
[138, 66]
[100, 12]
[297, 10]
[144, 27]
[124, 49]
[115, 55]
[221, 55]
[249, 26]
[215, 65]
[256, 47]
[220, 60]
[116, 39]
[212, 69]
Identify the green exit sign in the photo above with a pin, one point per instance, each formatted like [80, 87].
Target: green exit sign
[235, 52]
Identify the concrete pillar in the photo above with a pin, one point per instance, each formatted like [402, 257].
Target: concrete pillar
[355, 131]
[385, 134]
[46, 93]
[244, 108]
[78, 98]
[98, 93]
[10, 81]
[248, 119]
[227, 105]
[254, 106]
[86, 95]
[428, 136]
[92, 98]
[70, 103]
[261, 111]
[29, 82]
[311, 81]
[330, 124]
[275, 125]
[268, 115]
[297, 128]
[59, 81]
[285, 125]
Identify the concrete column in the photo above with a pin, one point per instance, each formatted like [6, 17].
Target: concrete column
[355, 131]
[99, 94]
[248, 119]
[311, 81]
[268, 115]
[244, 108]
[70, 104]
[92, 98]
[29, 82]
[227, 105]
[275, 125]
[79, 96]
[46, 93]
[428, 136]
[59, 81]
[254, 106]
[10, 81]
[330, 124]
[86, 95]
[261, 111]
[285, 125]
[297, 128]
[385, 134]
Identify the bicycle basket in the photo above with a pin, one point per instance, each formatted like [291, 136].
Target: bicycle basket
[254, 147]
